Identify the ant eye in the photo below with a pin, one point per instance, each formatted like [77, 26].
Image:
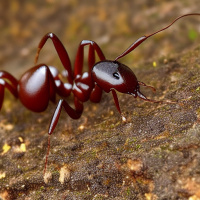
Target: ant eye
[116, 75]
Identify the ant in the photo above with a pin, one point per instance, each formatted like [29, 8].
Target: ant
[40, 84]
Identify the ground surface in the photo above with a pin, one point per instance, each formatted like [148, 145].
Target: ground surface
[155, 154]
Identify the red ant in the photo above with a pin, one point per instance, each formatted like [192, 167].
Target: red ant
[40, 84]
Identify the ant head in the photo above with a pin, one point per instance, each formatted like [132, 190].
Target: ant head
[115, 75]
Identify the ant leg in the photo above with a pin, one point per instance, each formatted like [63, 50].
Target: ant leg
[117, 104]
[62, 89]
[93, 46]
[73, 113]
[62, 53]
[143, 84]
[1, 94]
[12, 79]
[91, 58]
[95, 92]
[12, 86]
[3, 85]
[12, 89]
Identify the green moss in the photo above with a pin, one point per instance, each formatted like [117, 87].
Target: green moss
[193, 34]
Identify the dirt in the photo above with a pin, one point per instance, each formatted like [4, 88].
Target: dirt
[154, 154]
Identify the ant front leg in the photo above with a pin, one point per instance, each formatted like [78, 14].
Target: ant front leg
[93, 46]
[93, 92]
[117, 104]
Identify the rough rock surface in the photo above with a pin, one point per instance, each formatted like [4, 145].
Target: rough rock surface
[153, 155]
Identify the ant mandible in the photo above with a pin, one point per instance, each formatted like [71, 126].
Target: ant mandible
[40, 84]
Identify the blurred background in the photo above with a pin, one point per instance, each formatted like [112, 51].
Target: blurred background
[113, 24]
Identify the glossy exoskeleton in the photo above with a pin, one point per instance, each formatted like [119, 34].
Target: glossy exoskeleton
[40, 84]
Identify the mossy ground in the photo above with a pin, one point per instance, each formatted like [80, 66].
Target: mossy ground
[154, 154]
